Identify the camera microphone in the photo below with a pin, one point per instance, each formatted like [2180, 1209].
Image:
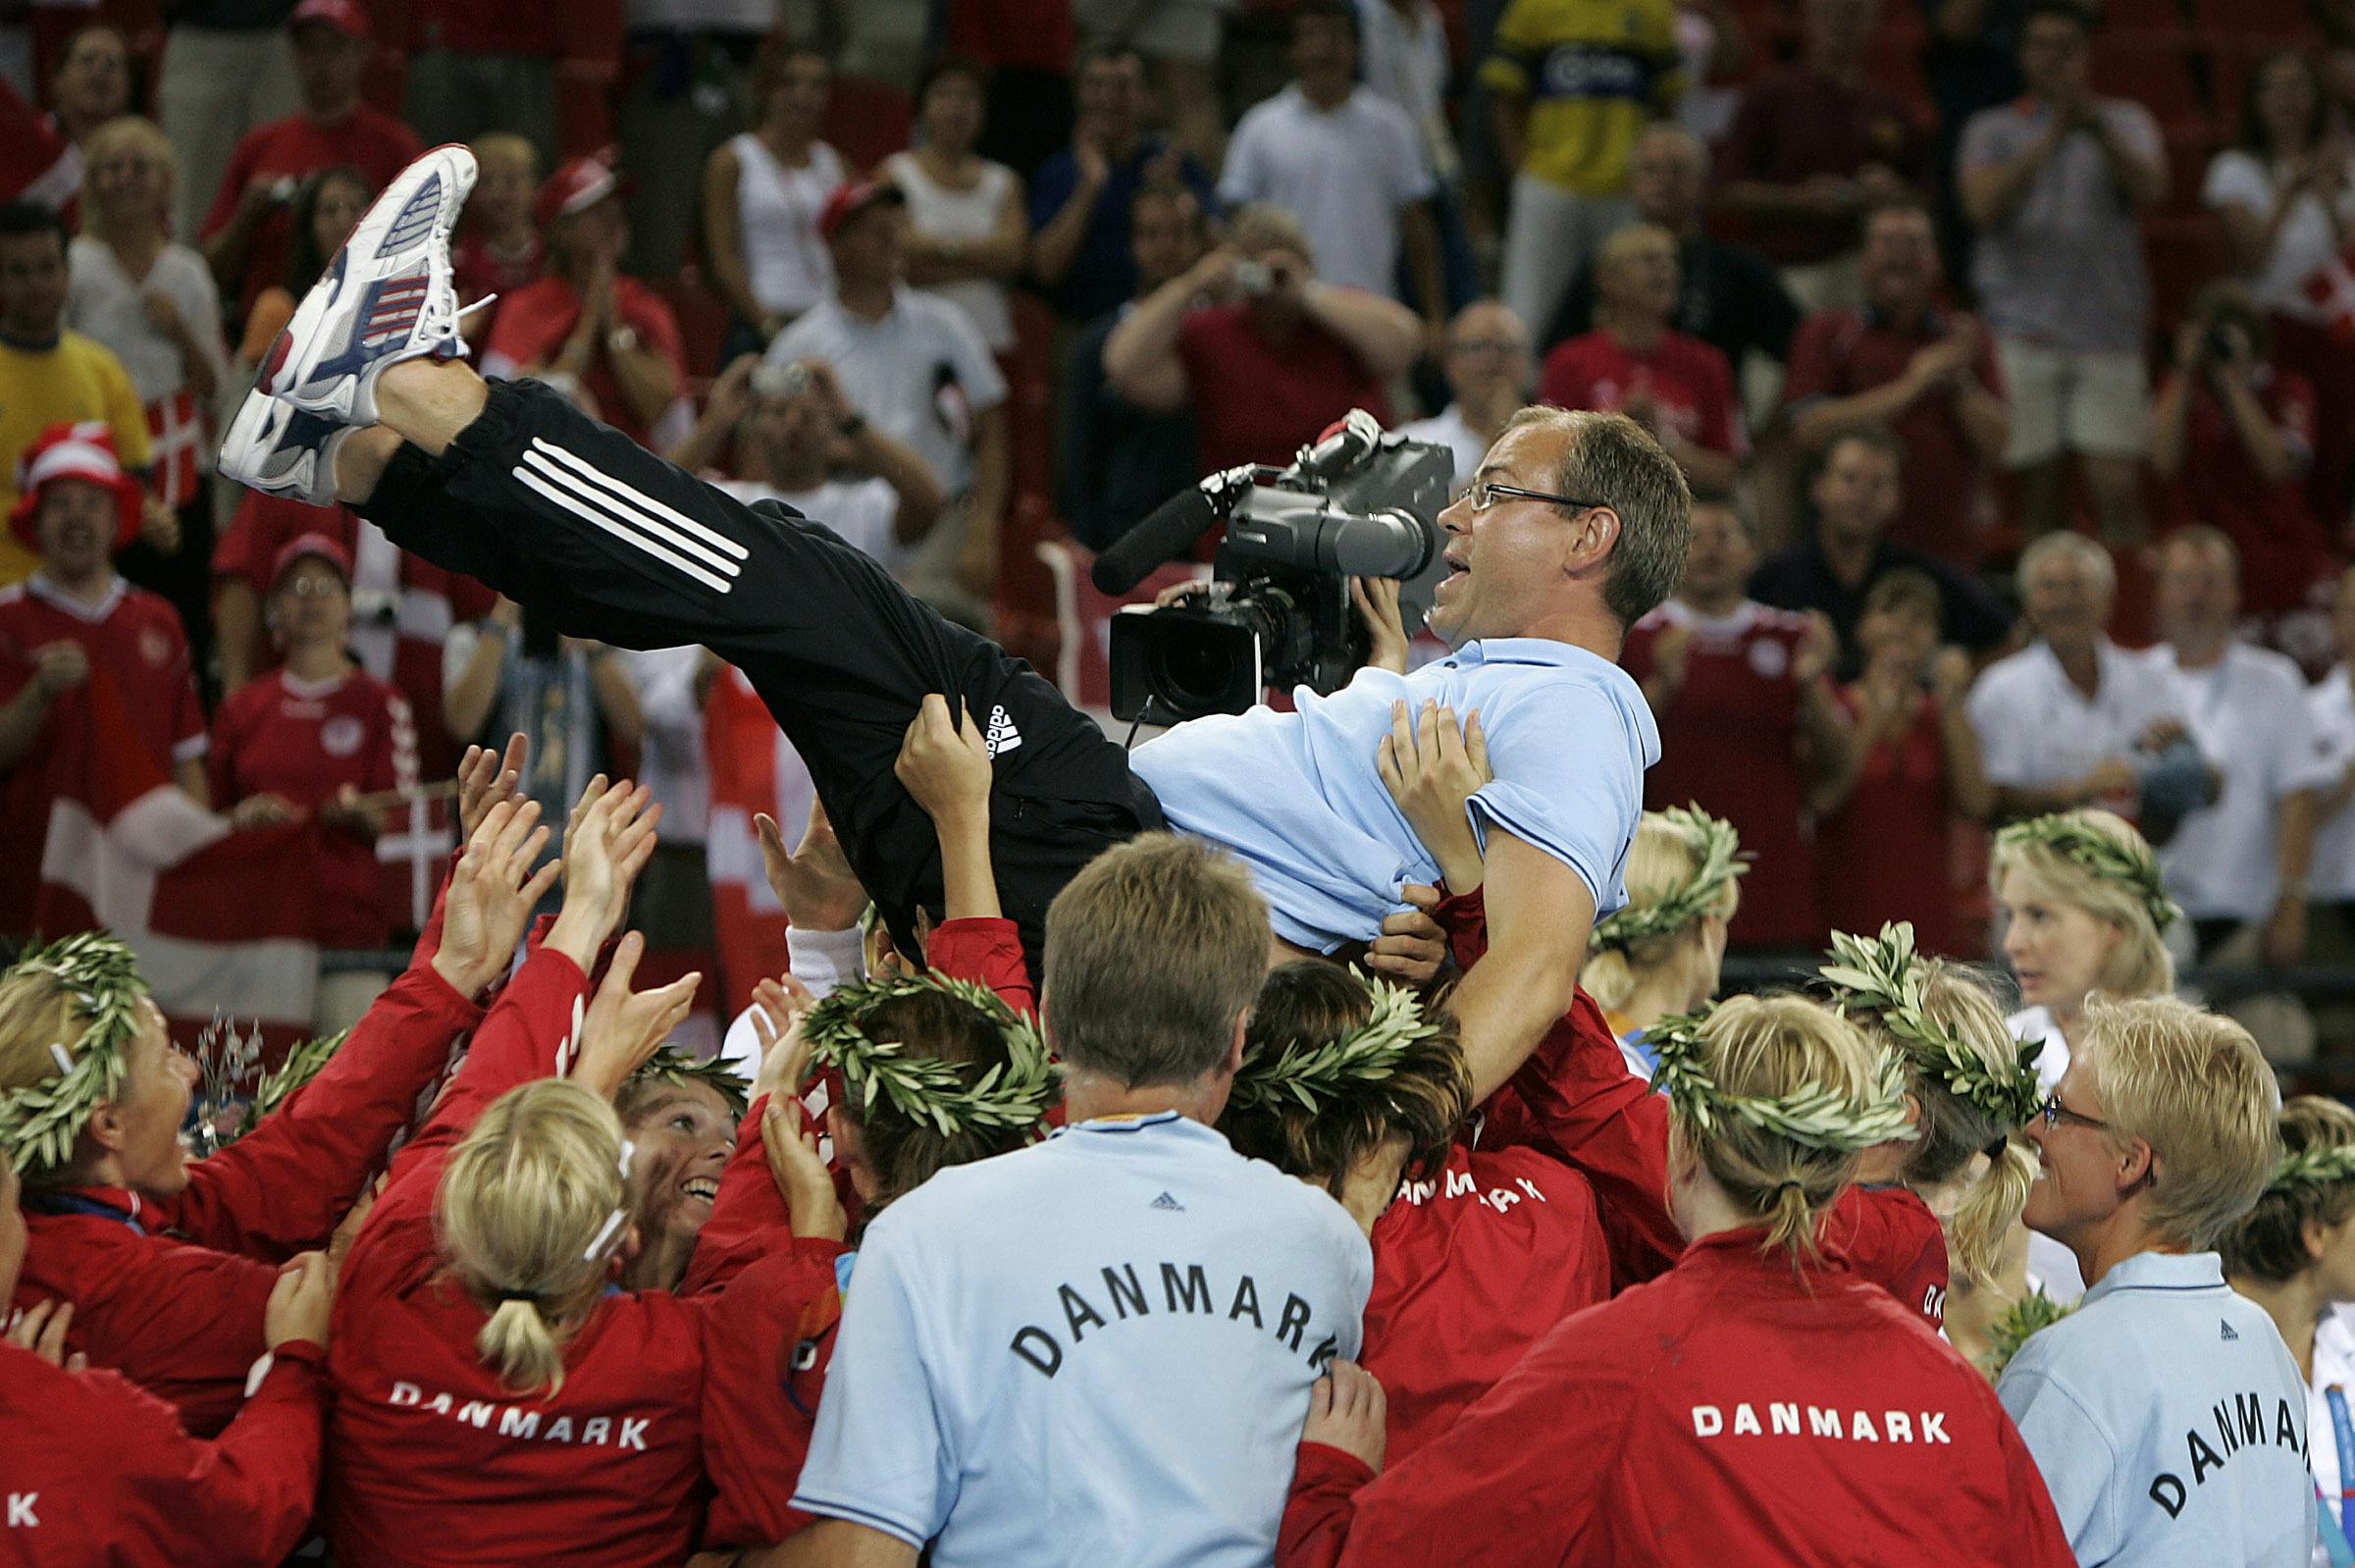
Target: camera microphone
[1168, 531]
[1341, 447]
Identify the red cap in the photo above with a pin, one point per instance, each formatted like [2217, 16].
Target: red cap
[578, 182]
[85, 451]
[851, 199]
[309, 546]
[344, 17]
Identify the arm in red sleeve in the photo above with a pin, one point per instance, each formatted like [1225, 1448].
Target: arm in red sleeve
[245, 1497]
[528, 1034]
[1594, 1115]
[285, 1186]
[988, 952]
[1316, 1516]
[756, 1420]
[1464, 917]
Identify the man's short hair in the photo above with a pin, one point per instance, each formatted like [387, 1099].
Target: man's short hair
[1615, 462]
[1153, 952]
[1265, 225]
[19, 219]
[2084, 16]
[2202, 537]
[1912, 206]
[2193, 1085]
[1341, 12]
[2077, 547]
[1110, 52]
[1880, 437]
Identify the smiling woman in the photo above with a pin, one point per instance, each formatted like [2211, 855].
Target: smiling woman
[684, 1127]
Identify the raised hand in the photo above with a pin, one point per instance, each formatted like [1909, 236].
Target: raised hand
[811, 1205]
[1431, 767]
[1348, 1410]
[944, 761]
[492, 895]
[486, 778]
[607, 844]
[816, 882]
[41, 1328]
[300, 1302]
[777, 1009]
[623, 1028]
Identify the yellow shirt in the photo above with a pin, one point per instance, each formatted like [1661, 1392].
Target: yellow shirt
[80, 379]
[1594, 73]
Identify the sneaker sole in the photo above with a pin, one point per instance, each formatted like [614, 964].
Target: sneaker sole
[400, 244]
[254, 438]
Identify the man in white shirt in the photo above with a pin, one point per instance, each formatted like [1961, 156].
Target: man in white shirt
[913, 364]
[1097, 1349]
[2070, 720]
[1347, 161]
[2242, 862]
[2330, 709]
[1491, 371]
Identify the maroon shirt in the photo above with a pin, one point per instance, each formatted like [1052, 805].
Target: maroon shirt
[1839, 353]
[1259, 402]
[1800, 125]
[1884, 850]
[2285, 555]
[1729, 742]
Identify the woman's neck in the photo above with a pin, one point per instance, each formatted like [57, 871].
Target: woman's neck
[316, 661]
[789, 143]
[1638, 336]
[135, 241]
[1658, 994]
[2296, 1307]
[660, 1264]
[942, 161]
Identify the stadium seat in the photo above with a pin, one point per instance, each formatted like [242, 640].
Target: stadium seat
[703, 320]
[2185, 253]
[2154, 69]
[2141, 16]
[867, 120]
[2266, 18]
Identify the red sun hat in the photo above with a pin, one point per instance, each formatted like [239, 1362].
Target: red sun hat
[309, 546]
[83, 451]
[578, 182]
[343, 15]
[851, 199]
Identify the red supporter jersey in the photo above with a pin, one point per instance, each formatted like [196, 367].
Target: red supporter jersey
[171, 1293]
[371, 141]
[402, 605]
[2285, 555]
[1729, 742]
[1731, 1412]
[1887, 1235]
[481, 272]
[1839, 353]
[1258, 401]
[97, 1471]
[1687, 380]
[534, 322]
[436, 1462]
[1472, 1266]
[1881, 856]
[279, 736]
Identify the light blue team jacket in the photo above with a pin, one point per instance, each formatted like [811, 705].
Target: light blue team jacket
[2170, 1422]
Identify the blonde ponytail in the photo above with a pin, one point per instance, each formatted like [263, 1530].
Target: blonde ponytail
[1778, 1096]
[1681, 868]
[528, 1214]
[1982, 1223]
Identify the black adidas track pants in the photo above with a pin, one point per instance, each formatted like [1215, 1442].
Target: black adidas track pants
[557, 511]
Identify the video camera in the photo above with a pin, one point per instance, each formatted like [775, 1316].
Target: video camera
[1360, 503]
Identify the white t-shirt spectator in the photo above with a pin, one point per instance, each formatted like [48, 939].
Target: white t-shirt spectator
[671, 762]
[2331, 710]
[863, 511]
[2037, 730]
[2303, 245]
[1449, 429]
[1097, 1349]
[1403, 57]
[2248, 713]
[778, 208]
[938, 212]
[922, 374]
[104, 302]
[1345, 175]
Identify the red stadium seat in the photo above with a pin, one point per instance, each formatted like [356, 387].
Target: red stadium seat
[2188, 149]
[867, 120]
[2142, 16]
[2266, 18]
[2185, 253]
[703, 320]
[2154, 69]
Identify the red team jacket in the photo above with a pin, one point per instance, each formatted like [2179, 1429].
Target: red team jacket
[170, 1292]
[1731, 1412]
[433, 1461]
[1472, 1266]
[97, 1471]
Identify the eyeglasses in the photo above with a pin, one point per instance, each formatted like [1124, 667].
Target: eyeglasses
[1485, 493]
[312, 587]
[2055, 1113]
[1488, 345]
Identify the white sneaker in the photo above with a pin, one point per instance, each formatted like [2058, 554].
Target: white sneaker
[280, 450]
[386, 296]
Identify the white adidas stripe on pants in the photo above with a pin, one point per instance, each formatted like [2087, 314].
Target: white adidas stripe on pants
[687, 547]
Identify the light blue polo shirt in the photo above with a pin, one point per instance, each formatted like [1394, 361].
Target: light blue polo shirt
[2168, 1421]
[1297, 798]
[1095, 1351]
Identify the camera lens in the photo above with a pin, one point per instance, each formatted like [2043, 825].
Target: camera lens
[1191, 674]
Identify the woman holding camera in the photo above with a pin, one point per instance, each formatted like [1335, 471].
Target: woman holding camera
[2234, 433]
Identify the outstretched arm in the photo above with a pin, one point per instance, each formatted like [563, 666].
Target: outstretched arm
[1540, 912]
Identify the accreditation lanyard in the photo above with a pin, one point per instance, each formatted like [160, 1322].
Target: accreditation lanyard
[60, 1203]
[2331, 1527]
